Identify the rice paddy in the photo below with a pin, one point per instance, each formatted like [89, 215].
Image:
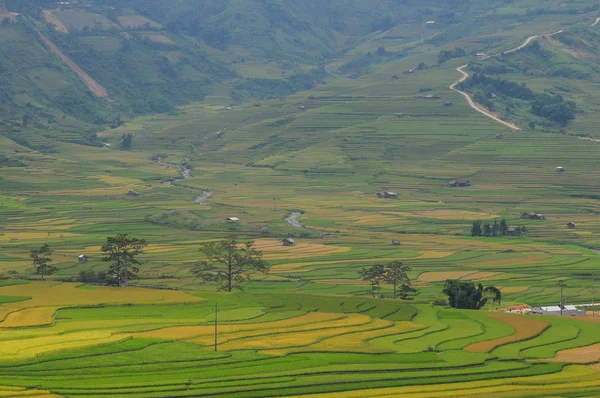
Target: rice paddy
[290, 344]
[310, 326]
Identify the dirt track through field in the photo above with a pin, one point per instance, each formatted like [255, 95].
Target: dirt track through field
[596, 22]
[465, 76]
[93, 85]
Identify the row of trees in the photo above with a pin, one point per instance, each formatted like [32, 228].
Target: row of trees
[120, 251]
[394, 273]
[495, 229]
[230, 263]
[445, 55]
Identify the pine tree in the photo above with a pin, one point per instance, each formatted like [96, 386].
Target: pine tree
[487, 229]
[476, 229]
[503, 226]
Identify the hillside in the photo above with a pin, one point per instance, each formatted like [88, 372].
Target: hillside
[465, 149]
[152, 56]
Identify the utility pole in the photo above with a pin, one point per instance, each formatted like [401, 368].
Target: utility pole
[593, 296]
[216, 323]
[561, 284]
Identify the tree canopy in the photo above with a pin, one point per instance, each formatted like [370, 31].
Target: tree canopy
[229, 263]
[121, 252]
[41, 261]
[394, 273]
[465, 295]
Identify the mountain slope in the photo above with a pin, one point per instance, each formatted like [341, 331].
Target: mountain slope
[152, 56]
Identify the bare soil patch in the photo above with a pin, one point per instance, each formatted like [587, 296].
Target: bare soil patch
[93, 85]
[137, 21]
[54, 21]
[159, 39]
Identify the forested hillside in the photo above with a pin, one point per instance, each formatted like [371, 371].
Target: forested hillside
[150, 56]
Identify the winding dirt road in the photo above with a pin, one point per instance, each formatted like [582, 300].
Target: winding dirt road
[465, 76]
[596, 22]
[474, 105]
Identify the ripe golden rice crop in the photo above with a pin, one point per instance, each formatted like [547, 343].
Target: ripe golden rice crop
[67, 294]
[434, 254]
[16, 392]
[32, 347]
[273, 249]
[39, 316]
[482, 275]
[303, 336]
[442, 276]
[446, 214]
[585, 354]
[357, 341]
[525, 328]
[189, 332]
[346, 282]
[514, 289]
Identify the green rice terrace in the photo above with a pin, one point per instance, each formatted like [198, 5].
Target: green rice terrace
[463, 144]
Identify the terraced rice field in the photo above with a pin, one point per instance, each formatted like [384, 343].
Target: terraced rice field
[309, 327]
[289, 345]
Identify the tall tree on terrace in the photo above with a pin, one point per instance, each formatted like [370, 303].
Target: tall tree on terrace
[396, 275]
[374, 276]
[41, 261]
[503, 226]
[121, 252]
[476, 230]
[229, 264]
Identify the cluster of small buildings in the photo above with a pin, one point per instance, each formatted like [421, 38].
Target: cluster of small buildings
[387, 195]
[569, 310]
[459, 184]
[533, 216]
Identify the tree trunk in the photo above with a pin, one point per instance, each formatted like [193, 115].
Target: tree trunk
[229, 277]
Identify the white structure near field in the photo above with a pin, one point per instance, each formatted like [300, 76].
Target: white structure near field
[570, 310]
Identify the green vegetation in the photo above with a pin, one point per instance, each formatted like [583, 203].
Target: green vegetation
[353, 101]
[41, 259]
[551, 107]
[229, 265]
[121, 252]
[395, 274]
[465, 295]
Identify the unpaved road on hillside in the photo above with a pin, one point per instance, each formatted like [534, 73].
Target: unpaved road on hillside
[596, 22]
[474, 105]
[465, 76]
[93, 85]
